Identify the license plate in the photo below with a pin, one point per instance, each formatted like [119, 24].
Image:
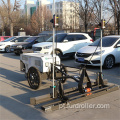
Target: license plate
[81, 59]
[12, 50]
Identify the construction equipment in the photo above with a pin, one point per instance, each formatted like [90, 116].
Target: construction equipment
[84, 91]
[39, 66]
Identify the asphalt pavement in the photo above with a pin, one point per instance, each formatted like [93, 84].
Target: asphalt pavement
[15, 95]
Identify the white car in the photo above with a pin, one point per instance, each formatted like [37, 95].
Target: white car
[5, 45]
[90, 55]
[66, 44]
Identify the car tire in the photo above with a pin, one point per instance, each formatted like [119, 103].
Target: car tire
[7, 49]
[109, 62]
[17, 53]
[34, 78]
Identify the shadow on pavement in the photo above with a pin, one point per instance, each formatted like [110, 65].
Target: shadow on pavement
[19, 110]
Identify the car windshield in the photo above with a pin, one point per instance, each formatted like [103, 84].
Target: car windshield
[106, 41]
[9, 39]
[31, 39]
[58, 38]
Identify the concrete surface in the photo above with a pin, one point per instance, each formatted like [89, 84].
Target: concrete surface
[15, 95]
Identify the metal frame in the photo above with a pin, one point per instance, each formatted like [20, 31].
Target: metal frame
[73, 95]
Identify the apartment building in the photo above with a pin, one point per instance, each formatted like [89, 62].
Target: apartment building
[66, 11]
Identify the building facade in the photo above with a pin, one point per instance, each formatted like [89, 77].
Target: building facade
[66, 11]
[29, 5]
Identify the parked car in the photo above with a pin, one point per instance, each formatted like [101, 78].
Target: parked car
[27, 44]
[66, 44]
[90, 55]
[2, 38]
[5, 45]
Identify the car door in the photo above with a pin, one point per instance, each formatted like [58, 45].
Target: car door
[80, 41]
[117, 53]
[67, 44]
[32, 40]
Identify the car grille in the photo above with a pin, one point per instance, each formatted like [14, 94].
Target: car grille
[85, 55]
[37, 48]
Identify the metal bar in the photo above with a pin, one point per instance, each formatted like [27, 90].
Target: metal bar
[47, 98]
[69, 66]
[101, 39]
[53, 45]
[55, 106]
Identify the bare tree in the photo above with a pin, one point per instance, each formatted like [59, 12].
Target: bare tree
[11, 12]
[115, 8]
[4, 18]
[85, 12]
[40, 20]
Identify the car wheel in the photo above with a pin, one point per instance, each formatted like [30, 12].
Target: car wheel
[17, 53]
[109, 62]
[7, 49]
[34, 78]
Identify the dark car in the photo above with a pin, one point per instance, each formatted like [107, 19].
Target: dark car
[27, 44]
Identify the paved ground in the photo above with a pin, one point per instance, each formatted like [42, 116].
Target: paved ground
[15, 95]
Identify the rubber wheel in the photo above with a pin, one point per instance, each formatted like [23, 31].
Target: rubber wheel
[34, 78]
[7, 49]
[64, 70]
[109, 62]
[58, 53]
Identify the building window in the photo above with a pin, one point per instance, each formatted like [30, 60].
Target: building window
[61, 4]
[71, 4]
[57, 5]
[60, 10]
[50, 6]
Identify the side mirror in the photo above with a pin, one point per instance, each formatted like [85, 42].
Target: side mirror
[118, 45]
[65, 40]
[16, 40]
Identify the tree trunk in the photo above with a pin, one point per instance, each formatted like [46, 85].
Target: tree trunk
[118, 23]
[11, 29]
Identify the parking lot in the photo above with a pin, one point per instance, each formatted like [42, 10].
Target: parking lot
[15, 94]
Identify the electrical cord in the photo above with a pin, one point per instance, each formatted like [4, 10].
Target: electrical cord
[92, 54]
[88, 61]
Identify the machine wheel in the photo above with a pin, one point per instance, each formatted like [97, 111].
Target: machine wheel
[7, 49]
[109, 62]
[59, 53]
[64, 70]
[34, 78]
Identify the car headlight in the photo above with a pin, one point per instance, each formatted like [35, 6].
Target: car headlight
[98, 53]
[47, 47]
[19, 46]
[2, 44]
